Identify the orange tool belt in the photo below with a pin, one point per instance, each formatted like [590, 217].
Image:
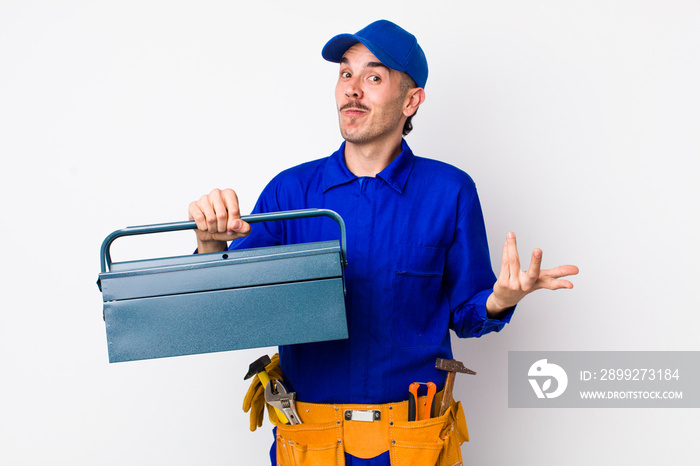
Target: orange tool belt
[329, 431]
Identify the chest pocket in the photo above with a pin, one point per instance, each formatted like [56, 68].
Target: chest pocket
[419, 315]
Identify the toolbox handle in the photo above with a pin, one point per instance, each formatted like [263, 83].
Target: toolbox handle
[106, 258]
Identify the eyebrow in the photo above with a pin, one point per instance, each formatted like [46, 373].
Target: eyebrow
[370, 64]
[376, 64]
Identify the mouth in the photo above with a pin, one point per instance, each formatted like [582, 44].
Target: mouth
[354, 109]
[353, 112]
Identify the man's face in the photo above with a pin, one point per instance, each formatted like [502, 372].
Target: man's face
[369, 97]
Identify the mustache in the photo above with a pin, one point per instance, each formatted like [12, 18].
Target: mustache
[354, 104]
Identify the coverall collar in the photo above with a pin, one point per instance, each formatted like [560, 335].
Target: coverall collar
[395, 175]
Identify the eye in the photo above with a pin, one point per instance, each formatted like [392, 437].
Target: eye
[374, 78]
[344, 74]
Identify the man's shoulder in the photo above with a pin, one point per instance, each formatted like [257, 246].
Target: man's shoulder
[303, 172]
[446, 173]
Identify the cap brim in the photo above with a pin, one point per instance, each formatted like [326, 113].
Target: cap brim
[335, 48]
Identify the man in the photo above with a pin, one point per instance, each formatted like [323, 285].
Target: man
[417, 251]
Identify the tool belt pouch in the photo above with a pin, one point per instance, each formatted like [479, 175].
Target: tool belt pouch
[310, 444]
[428, 442]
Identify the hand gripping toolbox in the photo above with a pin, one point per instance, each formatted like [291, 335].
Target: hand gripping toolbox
[224, 301]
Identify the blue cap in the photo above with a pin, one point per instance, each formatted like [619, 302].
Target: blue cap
[393, 46]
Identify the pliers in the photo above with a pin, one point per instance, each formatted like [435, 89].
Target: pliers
[429, 411]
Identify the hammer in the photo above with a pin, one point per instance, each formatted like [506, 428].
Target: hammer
[452, 367]
[257, 367]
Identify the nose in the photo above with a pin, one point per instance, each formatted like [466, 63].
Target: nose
[353, 89]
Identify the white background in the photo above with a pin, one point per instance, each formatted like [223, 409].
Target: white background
[578, 121]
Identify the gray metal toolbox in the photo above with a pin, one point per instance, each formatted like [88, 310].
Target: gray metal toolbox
[224, 301]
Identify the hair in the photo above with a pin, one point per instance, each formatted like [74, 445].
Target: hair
[407, 83]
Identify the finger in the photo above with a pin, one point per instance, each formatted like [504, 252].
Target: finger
[554, 284]
[504, 275]
[195, 213]
[513, 258]
[550, 278]
[205, 206]
[561, 271]
[235, 224]
[533, 272]
[230, 199]
[220, 211]
[243, 229]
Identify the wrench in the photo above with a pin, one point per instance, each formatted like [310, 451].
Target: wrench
[282, 400]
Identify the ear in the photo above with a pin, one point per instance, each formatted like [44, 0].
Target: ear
[414, 98]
